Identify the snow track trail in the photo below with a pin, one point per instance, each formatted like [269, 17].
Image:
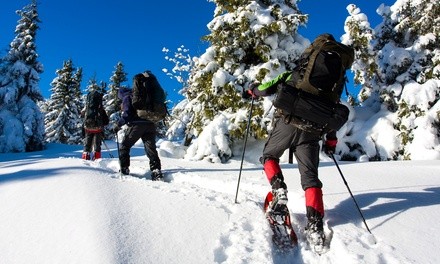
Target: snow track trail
[242, 233]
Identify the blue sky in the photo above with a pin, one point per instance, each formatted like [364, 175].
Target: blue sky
[96, 34]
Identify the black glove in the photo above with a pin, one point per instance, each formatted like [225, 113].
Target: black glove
[329, 146]
[249, 93]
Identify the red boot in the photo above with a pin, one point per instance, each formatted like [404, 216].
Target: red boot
[97, 155]
[85, 156]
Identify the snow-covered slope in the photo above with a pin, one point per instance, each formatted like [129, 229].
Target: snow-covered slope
[56, 208]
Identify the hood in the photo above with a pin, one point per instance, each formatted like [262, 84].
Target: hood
[123, 91]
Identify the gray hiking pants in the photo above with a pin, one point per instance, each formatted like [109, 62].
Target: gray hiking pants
[305, 146]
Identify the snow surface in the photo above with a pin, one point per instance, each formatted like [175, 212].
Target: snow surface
[57, 208]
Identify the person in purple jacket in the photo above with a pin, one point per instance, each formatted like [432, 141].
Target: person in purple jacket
[137, 129]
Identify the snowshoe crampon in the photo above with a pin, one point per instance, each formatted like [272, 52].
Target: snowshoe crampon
[279, 221]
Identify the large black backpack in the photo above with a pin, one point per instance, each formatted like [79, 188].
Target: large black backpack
[321, 68]
[95, 116]
[311, 97]
[149, 97]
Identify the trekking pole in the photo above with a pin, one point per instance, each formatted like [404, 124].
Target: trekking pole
[105, 144]
[346, 184]
[119, 155]
[244, 147]
[117, 144]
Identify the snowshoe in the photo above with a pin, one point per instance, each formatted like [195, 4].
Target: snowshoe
[278, 216]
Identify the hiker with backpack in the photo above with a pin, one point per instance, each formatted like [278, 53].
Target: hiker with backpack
[141, 122]
[95, 119]
[307, 109]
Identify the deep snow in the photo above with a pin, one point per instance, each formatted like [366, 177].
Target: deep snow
[57, 208]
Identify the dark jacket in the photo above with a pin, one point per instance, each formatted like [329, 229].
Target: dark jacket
[129, 116]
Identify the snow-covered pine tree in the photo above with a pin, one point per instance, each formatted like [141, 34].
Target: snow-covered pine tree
[21, 121]
[359, 35]
[76, 87]
[63, 117]
[407, 82]
[249, 41]
[411, 73]
[112, 102]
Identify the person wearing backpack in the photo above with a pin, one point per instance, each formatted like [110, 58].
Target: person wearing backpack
[137, 128]
[95, 118]
[149, 97]
[302, 118]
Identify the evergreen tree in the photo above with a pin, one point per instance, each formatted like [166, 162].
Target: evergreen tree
[250, 41]
[360, 35]
[411, 30]
[76, 87]
[112, 102]
[405, 83]
[21, 121]
[63, 117]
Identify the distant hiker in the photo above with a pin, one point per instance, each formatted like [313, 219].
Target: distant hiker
[308, 108]
[138, 128]
[95, 119]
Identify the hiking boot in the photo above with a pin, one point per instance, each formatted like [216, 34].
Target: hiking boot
[156, 175]
[125, 170]
[85, 156]
[315, 231]
[279, 191]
